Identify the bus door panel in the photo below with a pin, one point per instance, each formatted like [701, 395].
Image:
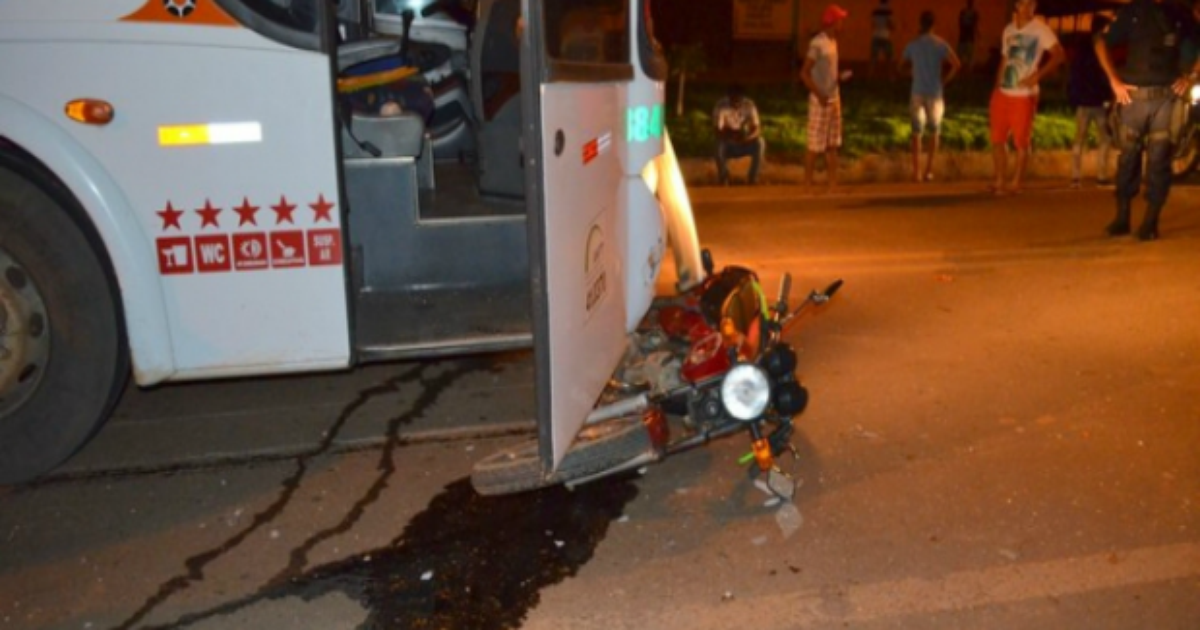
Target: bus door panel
[578, 217]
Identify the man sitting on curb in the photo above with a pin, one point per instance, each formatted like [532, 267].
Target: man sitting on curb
[738, 132]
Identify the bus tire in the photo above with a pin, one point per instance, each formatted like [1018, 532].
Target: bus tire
[63, 358]
[596, 449]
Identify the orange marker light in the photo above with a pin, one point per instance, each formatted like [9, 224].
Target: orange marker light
[90, 111]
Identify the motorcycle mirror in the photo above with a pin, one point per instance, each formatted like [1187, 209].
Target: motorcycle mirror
[826, 295]
[706, 260]
[832, 289]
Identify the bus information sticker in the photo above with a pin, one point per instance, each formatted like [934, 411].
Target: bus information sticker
[175, 255]
[250, 251]
[324, 247]
[209, 245]
[212, 253]
[287, 249]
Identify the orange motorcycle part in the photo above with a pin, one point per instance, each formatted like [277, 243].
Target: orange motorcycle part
[656, 425]
[706, 359]
[762, 454]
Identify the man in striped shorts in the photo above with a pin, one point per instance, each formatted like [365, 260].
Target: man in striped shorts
[820, 76]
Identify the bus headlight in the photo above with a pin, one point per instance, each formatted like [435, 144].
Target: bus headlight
[746, 392]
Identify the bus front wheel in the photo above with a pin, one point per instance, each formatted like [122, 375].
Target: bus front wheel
[63, 361]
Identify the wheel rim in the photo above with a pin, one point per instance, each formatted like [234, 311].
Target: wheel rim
[1182, 160]
[24, 335]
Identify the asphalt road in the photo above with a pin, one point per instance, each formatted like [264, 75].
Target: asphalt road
[1004, 433]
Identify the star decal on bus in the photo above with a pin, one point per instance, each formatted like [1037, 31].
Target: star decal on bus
[208, 215]
[170, 217]
[322, 209]
[246, 213]
[283, 211]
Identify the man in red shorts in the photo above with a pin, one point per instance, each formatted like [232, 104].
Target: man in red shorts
[1014, 101]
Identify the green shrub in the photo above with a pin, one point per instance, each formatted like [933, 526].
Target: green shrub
[875, 119]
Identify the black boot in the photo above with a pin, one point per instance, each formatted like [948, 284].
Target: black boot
[1149, 229]
[1120, 225]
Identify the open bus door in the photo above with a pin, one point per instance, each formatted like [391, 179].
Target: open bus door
[575, 65]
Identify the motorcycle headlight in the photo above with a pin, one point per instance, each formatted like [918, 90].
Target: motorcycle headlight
[1194, 94]
[746, 392]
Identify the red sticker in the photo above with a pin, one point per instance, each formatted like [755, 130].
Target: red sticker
[250, 251]
[324, 247]
[287, 249]
[212, 253]
[175, 255]
[591, 151]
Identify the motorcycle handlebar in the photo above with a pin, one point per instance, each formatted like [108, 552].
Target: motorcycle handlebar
[832, 289]
[785, 290]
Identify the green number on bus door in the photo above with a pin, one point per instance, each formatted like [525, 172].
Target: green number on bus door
[638, 123]
[656, 121]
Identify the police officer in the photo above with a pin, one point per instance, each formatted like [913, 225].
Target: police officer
[1146, 88]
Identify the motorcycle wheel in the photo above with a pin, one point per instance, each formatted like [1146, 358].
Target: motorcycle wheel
[1186, 158]
[597, 448]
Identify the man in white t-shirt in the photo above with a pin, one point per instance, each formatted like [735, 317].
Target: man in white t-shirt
[1014, 101]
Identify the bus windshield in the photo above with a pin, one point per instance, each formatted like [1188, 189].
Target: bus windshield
[290, 22]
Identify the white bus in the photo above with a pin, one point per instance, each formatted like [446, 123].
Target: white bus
[202, 189]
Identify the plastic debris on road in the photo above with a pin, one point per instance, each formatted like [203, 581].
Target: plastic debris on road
[789, 519]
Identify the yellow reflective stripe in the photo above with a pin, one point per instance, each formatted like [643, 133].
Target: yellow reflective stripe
[182, 135]
[216, 133]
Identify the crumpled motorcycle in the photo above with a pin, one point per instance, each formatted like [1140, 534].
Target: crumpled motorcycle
[1186, 158]
[706, 364]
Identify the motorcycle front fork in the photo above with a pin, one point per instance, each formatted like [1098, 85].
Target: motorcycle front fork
[764, 454]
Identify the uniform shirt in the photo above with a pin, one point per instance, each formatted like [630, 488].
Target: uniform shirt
[1155, 35]
[823, 51]
[881, 19]
[1023, 49]
[926, 54]
[739, 118]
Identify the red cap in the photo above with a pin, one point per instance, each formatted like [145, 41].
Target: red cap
[832, 14]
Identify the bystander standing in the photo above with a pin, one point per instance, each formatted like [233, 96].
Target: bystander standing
[1145, 89]
[1089, 94]
[820, 75]
[968, 30]
[928, 55]
[1015, 99]
[882, 25]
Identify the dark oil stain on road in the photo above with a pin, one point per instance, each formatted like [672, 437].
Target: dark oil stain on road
[431, 390]
[466, 563]
[474, 563]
